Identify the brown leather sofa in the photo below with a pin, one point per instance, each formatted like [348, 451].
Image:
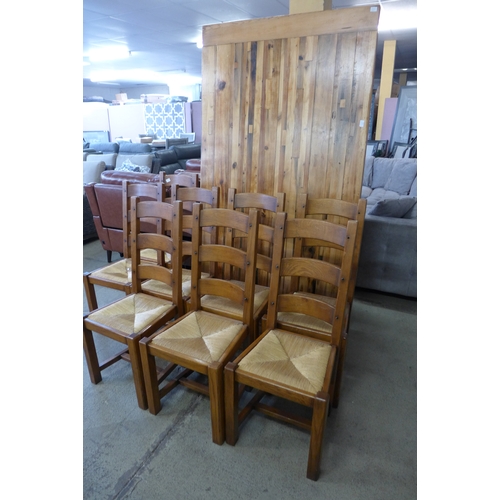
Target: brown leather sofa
[105, 200]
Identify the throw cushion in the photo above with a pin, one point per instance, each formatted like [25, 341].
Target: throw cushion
[381, 194]
[128, 166]
[402, 175]
[393, 208]
[382, 169]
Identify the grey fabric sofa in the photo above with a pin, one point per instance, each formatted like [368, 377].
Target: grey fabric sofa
[142, 157]
[388, 259]
[175, 157]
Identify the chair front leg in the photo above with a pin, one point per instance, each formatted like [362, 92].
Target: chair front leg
[135, 361]
[231, 397]
[150, 378]
[335, 396]
[90, 292]
[91, 355]
[320, 410]
[216, 392]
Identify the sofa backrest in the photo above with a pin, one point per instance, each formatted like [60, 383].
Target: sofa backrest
[392, 174]
[117, 177]
[92, 171]
[137, 154]
[187, 151]
[105, 147]
[108, 158]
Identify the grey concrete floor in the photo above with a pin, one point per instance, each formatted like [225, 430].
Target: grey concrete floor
[369, 449]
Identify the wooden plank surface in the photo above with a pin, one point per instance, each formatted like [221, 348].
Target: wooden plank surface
[288, 111]
[295, 25]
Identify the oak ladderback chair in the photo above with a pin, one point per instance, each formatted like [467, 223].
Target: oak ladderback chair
[267, 207]
[337, 212]
[209, 198]
[116, 275]
[138, 315]
[201, 341]
[297, 365]
[184, 179]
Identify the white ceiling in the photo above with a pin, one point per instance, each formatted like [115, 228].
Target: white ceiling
[161, 35]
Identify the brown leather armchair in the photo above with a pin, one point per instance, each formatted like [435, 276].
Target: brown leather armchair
[105, 200]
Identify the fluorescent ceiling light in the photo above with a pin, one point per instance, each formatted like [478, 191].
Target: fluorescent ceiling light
[109, 53]
[397, 19]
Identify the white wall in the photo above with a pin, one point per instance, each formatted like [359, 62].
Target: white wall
[95, 116]
[108, 92]
[126, 121]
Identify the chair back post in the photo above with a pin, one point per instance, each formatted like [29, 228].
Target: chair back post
[277, 256]
[209, 251]
[153, 191]
[262, 202]
[341, 306]
[144, 270]
[337, 212]
[338, 276]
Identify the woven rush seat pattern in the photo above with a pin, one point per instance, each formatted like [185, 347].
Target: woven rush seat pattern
[230, 307]
[131, 314]
[116, 272]
[295, 362]
[158, 287]
[289, 359]
[149, 254]
[203, 341]
[115, 275]
[202, 335]
[139, 315]
[304, 320]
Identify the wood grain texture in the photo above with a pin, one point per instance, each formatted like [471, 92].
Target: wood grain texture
[294, 25]
[286, 103]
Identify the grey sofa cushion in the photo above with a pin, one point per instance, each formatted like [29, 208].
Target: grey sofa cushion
[132, 148]
[381, 171]
[108, 158]
[105, 147]
[380, 194]
[187, 151]
[366, 191]
[393, 208]
[413, 189]
[368, 172]
[402, 175]
[412, 213]
[92, 171]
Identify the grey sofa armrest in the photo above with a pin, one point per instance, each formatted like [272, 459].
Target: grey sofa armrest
[388, 259]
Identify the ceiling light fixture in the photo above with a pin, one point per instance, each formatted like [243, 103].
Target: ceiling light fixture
[397, 19]
[109, 53]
